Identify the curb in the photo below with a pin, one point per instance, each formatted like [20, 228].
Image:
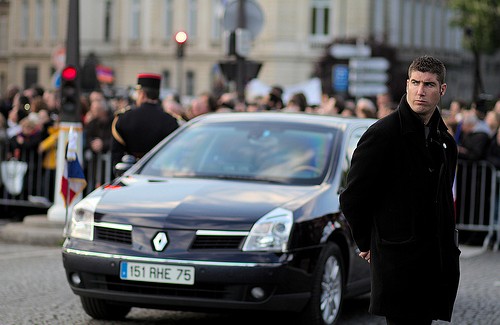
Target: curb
[34, 230]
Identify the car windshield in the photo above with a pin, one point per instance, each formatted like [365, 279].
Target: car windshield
[287, 153]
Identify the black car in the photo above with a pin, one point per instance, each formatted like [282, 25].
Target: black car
[233, 211]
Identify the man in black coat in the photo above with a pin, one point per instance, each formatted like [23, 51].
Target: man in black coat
[399, 204]
[138, 130]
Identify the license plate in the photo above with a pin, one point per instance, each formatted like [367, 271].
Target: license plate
[160, 273]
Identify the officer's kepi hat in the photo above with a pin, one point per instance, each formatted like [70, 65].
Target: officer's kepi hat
[148, 80]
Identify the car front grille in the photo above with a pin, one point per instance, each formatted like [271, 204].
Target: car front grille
[113, 235]
[217, 242]
[203, 240]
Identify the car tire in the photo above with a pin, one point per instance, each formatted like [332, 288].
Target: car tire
[327, 291]
[101, 309]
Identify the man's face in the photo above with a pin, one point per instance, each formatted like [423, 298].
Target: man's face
[423, 93]
[139, 97]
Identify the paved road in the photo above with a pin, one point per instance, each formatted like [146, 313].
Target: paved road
[33, 290]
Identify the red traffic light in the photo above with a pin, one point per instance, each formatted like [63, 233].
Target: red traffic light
[69, 73]
[181, 37]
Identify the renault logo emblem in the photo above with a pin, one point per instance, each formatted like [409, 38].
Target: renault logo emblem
[160, 241]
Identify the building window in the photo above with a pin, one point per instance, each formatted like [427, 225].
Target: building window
[4, 23]
[39, 20]
[190, 91]
[438, 16]
[192, 18]
[108, 10]
[24, 21]
[379, 15]
[418, 29]
[30, 76]
[54, 21]
[218, 7]
[135, 21]
[429, 26]
[168, 20]
[320, 17]
[408, 23]
[395, 25]
[167, 80]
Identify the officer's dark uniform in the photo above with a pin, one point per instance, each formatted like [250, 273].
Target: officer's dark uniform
[138, 130]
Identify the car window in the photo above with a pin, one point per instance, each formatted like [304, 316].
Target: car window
[254, 151]
[352, 143]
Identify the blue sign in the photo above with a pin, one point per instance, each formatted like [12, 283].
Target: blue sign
[340, 77]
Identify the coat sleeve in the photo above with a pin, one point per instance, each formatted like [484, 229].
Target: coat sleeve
[365, 183]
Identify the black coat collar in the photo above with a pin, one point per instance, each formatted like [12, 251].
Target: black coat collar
[411, 122]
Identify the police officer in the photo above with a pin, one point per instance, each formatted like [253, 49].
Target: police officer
[136, 131]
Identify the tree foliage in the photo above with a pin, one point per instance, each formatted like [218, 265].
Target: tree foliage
[480, 20]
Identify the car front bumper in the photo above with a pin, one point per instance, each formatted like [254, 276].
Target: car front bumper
[218, 285]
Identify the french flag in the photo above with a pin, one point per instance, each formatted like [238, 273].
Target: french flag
[73, 180]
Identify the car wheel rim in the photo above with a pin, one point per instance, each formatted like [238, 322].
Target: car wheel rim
[331, 290]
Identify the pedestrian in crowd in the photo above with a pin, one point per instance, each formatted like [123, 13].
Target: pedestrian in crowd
[296, 103]
[385, 109]
[8, 100]
[331, 105]
[399, 204]
[227, 102]
[480, 108]
[274, 99]
[47, 150]
[20, 109]
[454, 116]
[34, 91]
[383, 100]
[138, 130]
[28, 139]
[365, 108]
[496, 107]
[97, 131]
[172, 105]
[349, 109]
[475, 141]
[493, 152]
[492, 119]
[202, 104]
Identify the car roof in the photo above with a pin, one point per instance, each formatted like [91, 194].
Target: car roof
[305, 118]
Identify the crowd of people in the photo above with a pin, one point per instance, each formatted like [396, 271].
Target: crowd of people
[29, 119]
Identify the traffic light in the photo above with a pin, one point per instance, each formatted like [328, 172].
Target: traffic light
[70, 94]
[180, 38]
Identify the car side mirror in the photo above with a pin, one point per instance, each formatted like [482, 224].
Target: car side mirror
[127, 162]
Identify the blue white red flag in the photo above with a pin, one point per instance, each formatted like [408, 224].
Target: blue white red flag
[73, 180]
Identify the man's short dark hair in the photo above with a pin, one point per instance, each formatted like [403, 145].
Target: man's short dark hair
[430, 64]
[151, 93]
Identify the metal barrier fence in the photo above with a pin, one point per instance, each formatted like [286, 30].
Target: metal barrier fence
[477, 188]
[26, 184]
[477, 200]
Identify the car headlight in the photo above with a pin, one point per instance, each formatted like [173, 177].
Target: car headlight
[271, 232]
[82, 219]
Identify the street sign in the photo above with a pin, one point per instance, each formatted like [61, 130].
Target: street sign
[368, 76]
[253, 17]
[340, 77]
[377, 63]
[346, 51]
[360, 90]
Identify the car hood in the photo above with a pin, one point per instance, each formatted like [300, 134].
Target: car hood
[194, 203]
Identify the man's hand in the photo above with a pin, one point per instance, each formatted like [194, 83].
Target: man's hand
[365, 255]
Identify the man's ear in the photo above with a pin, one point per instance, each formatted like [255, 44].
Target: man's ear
[443, 89]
